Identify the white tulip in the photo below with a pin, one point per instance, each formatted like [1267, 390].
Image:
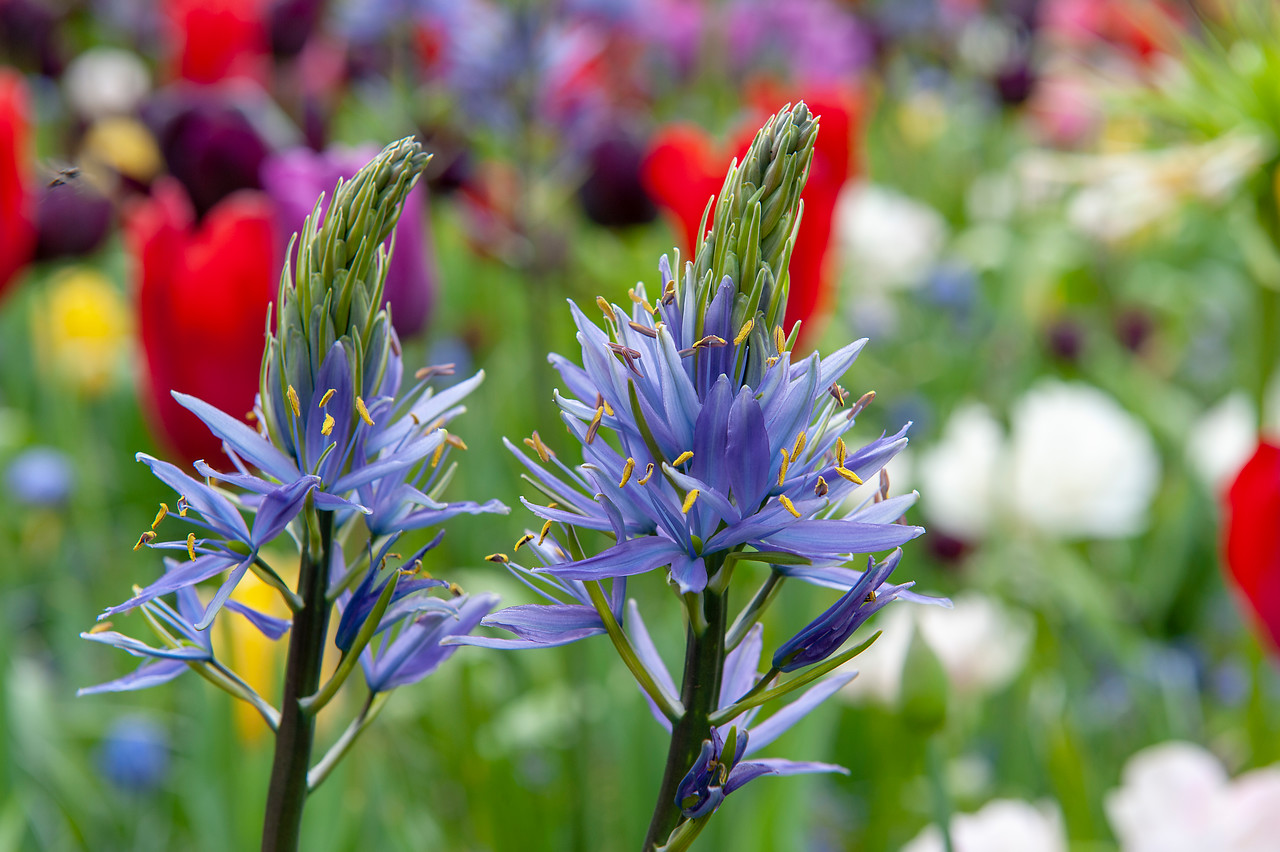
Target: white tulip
[1002, 825]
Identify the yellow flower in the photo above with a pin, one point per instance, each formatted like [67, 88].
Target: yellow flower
[82, 328]
[125, 145]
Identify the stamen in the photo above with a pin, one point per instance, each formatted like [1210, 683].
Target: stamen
[183, 506]
[164, 510]
[546, 530]
[820, 487]
[435, 457]
[595, 425]
[608, 409]
[535, 444]
[779, 339]
[191, 546]
[669, 294]
[788, 505]
[626, 471]
[648, 472]
[849, 475]
[603, 303]
[871, 597]
[435, 370]
[682, 458]
[454, 441]
[497, 557]
[456, 590]
[522, 541]
[839, 393]
[841, 451]
[145, 539]
[863, 401]
[635, 297]
[414, 418]
[771, 360]
[363, 412]
[100, 627]
[642, 329]
[744, 331]
[251, 416]
[328, 395]
[689, 500]
[884, 484]
[628, 355]
[292, 396]
[786, 463]
[801, 440]
[711, 341]
[326, 428]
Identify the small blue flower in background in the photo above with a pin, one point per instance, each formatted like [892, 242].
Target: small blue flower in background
[40, 477]
[135, 754]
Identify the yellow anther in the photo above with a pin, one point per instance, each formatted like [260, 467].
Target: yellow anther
[801, 440]
[145, 539]
[454, 441]
[849, 475]
[183, 506]
[546, 531]
[522, 541]
[605, 307]
[779, 339]
[164, 510]
[708, 341]
[326, 428]
[328, 395]
[535, 443]
[648, 472]
[682, 458]
[841, 451]
[608, 409]
[456, 590]
[771, 360]
[100, 627]
[435, 457]
[744, 331]
[363, 412]
[786, 463]
[820, 487]
[635, 297]
[191, 545]
[497, 557]
[292, 396]
[414, 418]
[137, 590]
[871, 597]
[788, 505]
[626, 471]
[689, 500]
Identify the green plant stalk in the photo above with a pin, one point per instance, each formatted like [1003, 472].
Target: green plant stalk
[941, 801]
[287, 793]
[699, 693]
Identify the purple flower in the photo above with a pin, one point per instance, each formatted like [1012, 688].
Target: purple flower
[295, 178]
[134, 754]
[415, 650]
[816, 39]
[40, 476]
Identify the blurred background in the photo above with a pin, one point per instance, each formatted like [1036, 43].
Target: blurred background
[1055, 219]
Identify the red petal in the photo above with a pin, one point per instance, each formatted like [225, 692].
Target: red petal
[1253, 536]
[17, 229]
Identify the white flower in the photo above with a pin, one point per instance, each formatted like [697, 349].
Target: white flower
[890, 240]
[1176, 797]
[957, 475]
[981, 644]
[106, 81]
[1002, 825]
[1222, 439]
[1081, 466]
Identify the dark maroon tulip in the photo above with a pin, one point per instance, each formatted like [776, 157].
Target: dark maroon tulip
[72, 218]
[613, 195]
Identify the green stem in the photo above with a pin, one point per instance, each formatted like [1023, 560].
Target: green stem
[699, 693]
[287, 794]
[368, 712]
[941, 801]
[666, 703]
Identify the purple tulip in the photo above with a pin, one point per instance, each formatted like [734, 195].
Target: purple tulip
[295, 178]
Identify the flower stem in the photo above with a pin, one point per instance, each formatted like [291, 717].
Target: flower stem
[699, 693]
[287, 793]
[941, 801]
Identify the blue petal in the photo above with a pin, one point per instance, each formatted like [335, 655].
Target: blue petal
[748, 446]
[770, 729]
[187, 574]
[268, 625]
[823, 537]
[224, 591]
[138, 648]
[146, 675]
[279, 508]
[753, 769]
[634, 556]
[546, 625]
[211, 505]
[247, 443]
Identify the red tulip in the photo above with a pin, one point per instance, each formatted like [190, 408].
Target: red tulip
[683, 170]
[17, 223]
[202, 304]
[216, 39]
[1253, 536]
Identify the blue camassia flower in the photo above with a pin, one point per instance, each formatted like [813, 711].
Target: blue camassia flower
[380, 459]
[713, 776]
[723, 442]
